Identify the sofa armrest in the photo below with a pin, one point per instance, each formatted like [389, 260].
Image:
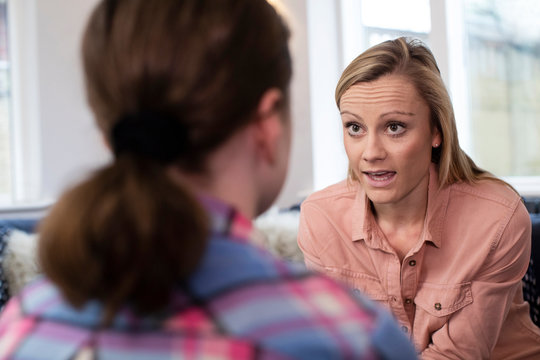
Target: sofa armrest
[531, 280]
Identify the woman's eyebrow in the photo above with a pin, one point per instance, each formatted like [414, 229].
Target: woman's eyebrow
[393, 112]
[350, 113]
[398, 112]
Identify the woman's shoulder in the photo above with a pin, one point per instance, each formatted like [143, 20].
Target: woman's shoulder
[488, 192]
[491, 202]
[345, 190]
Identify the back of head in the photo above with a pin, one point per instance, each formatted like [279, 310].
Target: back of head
[169, 81]
[205, 63]
[412, 59]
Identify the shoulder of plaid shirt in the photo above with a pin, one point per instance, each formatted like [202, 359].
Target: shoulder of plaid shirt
[242, 303]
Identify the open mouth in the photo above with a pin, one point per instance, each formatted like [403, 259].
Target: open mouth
[379, 179]
[380, 175]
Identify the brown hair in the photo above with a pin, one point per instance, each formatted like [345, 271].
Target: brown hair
[128, 234]
[411, 58]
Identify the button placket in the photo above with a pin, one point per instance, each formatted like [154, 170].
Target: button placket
[394, 288]
[409, 284]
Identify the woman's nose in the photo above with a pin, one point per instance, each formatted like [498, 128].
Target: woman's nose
[374, 149]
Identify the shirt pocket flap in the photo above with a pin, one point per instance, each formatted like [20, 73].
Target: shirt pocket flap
[443, 300]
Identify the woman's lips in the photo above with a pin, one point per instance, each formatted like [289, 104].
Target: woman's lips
[379, 178]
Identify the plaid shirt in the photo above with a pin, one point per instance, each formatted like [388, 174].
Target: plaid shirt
[242, 303]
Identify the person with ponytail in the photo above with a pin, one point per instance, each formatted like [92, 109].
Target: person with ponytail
[417, 226]
[150, 257]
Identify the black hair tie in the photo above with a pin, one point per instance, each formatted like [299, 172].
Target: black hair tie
[161, 138]
[110, 9]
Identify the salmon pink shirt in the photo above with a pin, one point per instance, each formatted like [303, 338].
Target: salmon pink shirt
[458, 291]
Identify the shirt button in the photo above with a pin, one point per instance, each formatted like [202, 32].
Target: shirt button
[438, 306]
[404, 329]
[412, 263]
[356, 291]
[408, 301]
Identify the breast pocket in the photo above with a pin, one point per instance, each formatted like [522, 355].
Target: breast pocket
[435, 303]
[365, 284]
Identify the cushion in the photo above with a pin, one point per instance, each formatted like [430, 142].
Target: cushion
[279, 229]
[19, 260]
[6, 228]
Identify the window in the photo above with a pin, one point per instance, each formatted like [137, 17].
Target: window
[502, 54]
[19, 108]
[5, 106]
[407, 18]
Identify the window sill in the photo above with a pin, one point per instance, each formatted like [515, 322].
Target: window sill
[25, 210]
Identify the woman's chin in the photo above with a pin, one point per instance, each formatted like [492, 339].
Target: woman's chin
[381, 197]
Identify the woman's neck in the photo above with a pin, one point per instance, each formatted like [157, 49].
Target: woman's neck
[395, 217]
[227, 190]
[402, 223]
[407, 212]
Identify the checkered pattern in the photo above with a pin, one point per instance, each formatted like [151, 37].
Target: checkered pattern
[242, 303]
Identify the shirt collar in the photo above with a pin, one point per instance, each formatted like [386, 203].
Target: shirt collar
[436, 210]
[226, 220]
[362, 219]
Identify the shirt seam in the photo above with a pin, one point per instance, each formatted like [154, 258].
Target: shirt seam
[468, 189]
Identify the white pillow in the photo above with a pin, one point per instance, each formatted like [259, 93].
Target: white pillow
[279, 230]
[20, 260]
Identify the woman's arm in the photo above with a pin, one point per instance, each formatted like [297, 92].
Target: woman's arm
[473, 331]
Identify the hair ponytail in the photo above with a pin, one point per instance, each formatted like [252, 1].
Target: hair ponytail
[127, 233]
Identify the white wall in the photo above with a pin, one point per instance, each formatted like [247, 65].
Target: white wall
[326, 64]
[70, 143]
[299, 181]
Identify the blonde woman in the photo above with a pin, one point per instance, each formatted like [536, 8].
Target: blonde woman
[418, 226]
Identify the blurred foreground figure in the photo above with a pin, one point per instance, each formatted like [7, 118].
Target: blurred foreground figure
[150, 258]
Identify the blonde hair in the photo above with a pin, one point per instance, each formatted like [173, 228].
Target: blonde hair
[412, 59]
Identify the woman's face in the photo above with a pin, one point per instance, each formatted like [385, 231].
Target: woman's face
[388, 138]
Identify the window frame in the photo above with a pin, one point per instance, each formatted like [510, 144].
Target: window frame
[25, 120]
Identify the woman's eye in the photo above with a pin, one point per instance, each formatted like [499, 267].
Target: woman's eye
[396, 129]
[354, 129]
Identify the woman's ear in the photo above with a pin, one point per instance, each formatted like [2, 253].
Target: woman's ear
[271, 101]
[436, 138]
[270, 124]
